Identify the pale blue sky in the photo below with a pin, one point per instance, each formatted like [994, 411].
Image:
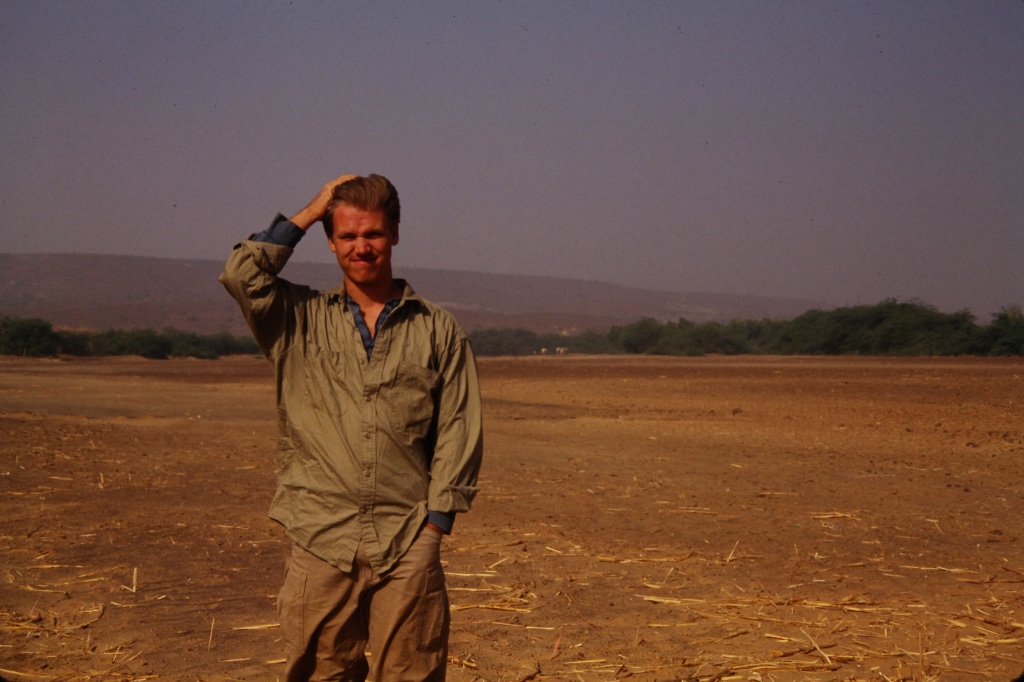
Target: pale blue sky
[840, 151]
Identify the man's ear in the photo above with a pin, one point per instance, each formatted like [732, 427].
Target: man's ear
[394, 235]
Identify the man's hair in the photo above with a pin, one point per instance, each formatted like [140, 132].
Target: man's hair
[371, 193]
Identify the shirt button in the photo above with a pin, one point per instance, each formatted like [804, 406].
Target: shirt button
[367, 473]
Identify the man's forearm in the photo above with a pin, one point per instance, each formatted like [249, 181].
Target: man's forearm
[308, 216]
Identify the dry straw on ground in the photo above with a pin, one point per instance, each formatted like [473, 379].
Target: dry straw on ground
[649, 519]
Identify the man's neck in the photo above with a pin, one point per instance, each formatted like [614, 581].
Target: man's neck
[372, 297]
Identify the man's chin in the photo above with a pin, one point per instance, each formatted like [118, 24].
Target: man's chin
[362, 271]
[364, 277]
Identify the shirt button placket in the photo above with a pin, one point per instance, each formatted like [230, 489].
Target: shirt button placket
[369, 453]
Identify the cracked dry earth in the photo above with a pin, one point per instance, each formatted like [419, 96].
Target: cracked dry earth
[747, 518]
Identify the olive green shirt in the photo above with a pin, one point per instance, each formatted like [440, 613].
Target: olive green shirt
[367, 445]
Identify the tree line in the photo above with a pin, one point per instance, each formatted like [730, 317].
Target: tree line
[37, 338]
[887, 328]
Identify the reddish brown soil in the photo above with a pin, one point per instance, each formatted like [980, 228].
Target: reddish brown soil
[649, 518]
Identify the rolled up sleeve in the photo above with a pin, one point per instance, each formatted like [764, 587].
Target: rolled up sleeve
[251, 277]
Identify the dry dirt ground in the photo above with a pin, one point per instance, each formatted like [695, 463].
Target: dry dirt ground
[641, 518]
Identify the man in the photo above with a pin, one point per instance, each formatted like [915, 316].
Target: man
[380, 436]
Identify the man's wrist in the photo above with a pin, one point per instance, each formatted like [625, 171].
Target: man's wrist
[305, 218]
[443, 521]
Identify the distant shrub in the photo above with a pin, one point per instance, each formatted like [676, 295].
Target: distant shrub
[588, 342]
[144, 342]
[505, 342]
[640, 337]
[75, 343]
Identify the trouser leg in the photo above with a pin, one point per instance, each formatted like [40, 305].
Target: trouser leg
[409, 616]
[322, 621]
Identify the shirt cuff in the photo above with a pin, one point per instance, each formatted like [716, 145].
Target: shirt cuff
[442, 520]
[281, 231]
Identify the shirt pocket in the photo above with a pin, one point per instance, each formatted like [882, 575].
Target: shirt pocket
[410, 398]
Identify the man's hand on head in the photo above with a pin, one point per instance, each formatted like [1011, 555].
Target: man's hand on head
[314, 211]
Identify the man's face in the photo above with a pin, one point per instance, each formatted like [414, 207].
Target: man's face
[362, 242]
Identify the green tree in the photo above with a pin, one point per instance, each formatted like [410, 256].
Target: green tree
[32, 337]
[1005, 335]
[642, 337]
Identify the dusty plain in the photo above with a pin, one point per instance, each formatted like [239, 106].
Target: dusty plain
[651, 519]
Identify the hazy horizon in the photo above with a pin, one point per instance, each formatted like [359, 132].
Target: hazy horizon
[841, 152]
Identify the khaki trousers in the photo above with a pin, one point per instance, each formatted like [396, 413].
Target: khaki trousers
[328, 617]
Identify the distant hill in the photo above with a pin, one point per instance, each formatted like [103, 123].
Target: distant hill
[125, 292]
